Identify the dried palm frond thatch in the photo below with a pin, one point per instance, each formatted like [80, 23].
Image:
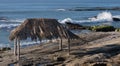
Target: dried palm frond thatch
[41, 28]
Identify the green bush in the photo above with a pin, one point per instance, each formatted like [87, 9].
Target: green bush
[102, 28]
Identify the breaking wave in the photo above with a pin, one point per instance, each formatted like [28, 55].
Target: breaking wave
[16, 20]
[4, 45]
[8, 26]
[12, 20]
[104, 16]
[61, 9]
[66, 20]
[101, 17]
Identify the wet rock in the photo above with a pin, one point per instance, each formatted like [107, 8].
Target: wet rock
[74, 26]
[5, 48]
[28, 64]
[49, 65]
[116, 19]
[100, 64]
[102, 28]
[60, 59]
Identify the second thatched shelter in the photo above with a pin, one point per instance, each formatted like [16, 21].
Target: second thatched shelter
[38, 29]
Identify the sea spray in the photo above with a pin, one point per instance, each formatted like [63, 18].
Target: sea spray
[61, 9]
[104, 16]
[8, 26]
[101, 17]
[66, 20]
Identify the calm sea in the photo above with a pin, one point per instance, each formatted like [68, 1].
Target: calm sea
[14, 12]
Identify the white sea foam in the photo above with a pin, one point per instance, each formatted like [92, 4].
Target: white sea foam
[104, 16]
[4, 45]
[66, 20]
[8, 25]
[61, 9]
[13, 20]
[101, 17]
[117, 16]
[16, 20]
[28, 42]
[73, 21]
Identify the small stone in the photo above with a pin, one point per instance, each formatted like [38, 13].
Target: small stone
[60, 59]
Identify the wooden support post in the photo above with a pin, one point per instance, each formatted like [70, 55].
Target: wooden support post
[60, 45]
[18, 49]
[68, 46]
[15, 46]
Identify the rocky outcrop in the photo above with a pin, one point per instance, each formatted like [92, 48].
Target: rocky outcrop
[102, 28]
[74, 26]
[94, 8]
[5, 48]
[116, 19]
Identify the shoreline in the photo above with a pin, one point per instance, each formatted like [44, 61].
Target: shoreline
[101, 45]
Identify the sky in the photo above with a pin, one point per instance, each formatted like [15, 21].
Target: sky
[61, 1]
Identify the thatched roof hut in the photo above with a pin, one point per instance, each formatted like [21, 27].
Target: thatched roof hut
[40, 29]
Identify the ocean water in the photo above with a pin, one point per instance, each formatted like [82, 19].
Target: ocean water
[14, 12]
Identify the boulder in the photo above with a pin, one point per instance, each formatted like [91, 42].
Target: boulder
[59, 59]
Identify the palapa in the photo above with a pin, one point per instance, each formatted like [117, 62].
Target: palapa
[40, 28]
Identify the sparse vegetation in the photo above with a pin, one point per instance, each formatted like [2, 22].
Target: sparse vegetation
[103, 28]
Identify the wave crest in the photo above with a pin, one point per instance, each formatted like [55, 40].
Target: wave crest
[61, 9]
[8, 26]
[66, 20]
[104, 16]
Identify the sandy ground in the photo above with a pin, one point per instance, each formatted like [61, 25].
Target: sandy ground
[95, 48]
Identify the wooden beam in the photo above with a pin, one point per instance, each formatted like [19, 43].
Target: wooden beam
[60, 45]
[18, 49]
[68, 46]
[15, 46]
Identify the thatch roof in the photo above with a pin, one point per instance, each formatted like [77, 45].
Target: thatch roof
[41, 29]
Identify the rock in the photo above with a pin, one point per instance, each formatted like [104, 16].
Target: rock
[50, 65]
[28, 64]
[74, 26]
[116, 19]
[102, 28]
[59, 59]
[5, 48]
[100, 64]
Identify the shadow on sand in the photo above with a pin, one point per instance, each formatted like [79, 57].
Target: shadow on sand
[110, 50]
